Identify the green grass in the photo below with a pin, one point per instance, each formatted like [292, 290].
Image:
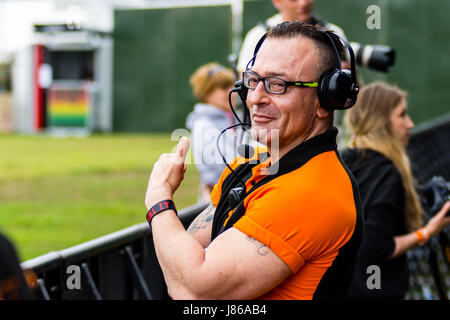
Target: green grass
[59, 192]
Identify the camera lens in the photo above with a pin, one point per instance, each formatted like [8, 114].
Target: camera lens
[375, 57]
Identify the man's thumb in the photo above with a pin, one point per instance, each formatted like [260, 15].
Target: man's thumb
[183, 147]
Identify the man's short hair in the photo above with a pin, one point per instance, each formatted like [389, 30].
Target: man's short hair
[322, 43]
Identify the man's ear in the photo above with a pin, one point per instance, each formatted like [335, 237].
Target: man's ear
[322, 113]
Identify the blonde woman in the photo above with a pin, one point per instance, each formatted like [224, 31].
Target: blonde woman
[393, 215]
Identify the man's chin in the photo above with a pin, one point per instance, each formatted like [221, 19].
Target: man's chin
[264, 135]
[259, 139]
[259, 134]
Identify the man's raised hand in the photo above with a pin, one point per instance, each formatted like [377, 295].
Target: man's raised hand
[167, 174]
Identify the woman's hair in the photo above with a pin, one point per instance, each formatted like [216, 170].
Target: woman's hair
[370, 125]
[209, 77]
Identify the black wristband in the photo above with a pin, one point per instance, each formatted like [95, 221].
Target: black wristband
[160, 207]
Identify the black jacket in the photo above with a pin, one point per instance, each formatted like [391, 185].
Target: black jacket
[13, 285]
[383, 197]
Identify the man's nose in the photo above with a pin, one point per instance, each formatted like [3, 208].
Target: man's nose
[256, 95]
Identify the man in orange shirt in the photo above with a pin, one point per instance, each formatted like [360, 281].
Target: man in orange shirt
[295, 231]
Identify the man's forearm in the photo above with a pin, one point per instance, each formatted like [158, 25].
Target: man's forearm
[179, 254]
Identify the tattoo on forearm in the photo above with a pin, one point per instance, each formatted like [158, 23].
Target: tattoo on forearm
[202, 220]
[262, 248]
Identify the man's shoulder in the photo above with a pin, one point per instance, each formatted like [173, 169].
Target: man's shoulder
[274, 20]
[322, 185]
[263, 26]
[251, 39]
[310, 175]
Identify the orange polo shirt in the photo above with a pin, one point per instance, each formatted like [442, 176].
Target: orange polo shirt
[304, 216]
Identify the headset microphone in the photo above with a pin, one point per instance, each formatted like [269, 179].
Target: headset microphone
[245, 150]
[242, 91]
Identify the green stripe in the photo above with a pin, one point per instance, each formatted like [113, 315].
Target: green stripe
[67, 121]
[307, 84]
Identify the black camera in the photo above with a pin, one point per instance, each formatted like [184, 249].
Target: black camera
[376, 57]
[434, 193]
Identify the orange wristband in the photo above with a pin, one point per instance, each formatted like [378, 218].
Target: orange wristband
[422, 236]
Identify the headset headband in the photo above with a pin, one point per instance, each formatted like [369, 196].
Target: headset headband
[349, 49]
[327, 32]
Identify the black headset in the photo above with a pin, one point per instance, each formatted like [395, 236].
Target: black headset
[337, 88]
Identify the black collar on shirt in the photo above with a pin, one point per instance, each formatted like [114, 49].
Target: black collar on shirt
[307, 150]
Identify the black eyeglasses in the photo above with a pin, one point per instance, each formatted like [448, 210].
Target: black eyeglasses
[273, 84]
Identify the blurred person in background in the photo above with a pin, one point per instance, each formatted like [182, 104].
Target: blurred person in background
[14, 282]
[211, 84]
[393, 215]
[288, 10]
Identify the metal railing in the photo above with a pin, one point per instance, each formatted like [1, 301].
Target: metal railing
[429, 149]
[121, 265]
[430, 265]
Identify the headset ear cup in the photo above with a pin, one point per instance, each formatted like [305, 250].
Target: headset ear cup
[344, 92]
[322, 90]
[336, 90]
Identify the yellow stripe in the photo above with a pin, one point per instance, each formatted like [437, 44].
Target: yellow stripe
[310, 85]
[68, 108]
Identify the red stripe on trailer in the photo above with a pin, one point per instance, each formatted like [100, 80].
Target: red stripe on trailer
[38, 51]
